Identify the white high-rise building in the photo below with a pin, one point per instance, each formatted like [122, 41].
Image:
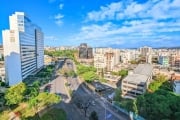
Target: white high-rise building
[106, 58]
[23, 48]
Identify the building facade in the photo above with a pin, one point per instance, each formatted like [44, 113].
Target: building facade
[106, 58]
[145, 50]
[85, 52]
[176, 86]
[137, 81]
[164, 61]
[174, 60]
[2, 71]
[23, 48]
[176, 83]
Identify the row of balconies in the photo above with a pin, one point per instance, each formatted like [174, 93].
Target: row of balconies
[140, 91]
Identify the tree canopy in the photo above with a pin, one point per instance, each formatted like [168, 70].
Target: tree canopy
[117, 96]
[88, 73]
[123, 73]
[161, 102]
[89, 76]
[81, 69]
[14, 94]
[93, 116]
[157, 83]
[62, 53]
[44, 99]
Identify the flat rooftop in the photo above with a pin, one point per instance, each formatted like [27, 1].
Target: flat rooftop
[136, 78]
[143, 69]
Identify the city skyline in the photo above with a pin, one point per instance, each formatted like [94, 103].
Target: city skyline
[112, 23]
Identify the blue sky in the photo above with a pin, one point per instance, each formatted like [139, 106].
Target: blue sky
[106, 23]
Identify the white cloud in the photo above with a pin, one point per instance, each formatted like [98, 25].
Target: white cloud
[158, 9]
[58, 19]
[134, 22]
[132, 31]
[61, 6]
[58, 16]
[176, 3]
[107, 12]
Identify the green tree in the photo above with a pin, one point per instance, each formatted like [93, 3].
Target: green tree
[71, 73]
[123, 73]
[89, 76]
[158, 82]
[117, 96]
[135, 109]
[43, 99]
[81, 69]
[33, 90]
[15, 94]
[88, 73]
[2, 84]
[161, 103]
[62, 53]
[93, 116]
[155, 86]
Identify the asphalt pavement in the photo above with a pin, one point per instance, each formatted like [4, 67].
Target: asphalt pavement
[102, 106]
[103, 109]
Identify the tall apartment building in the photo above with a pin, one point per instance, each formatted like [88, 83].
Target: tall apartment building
[85, 52]
[145, 50]
[106, 58]
[137, 82]
[23, 48]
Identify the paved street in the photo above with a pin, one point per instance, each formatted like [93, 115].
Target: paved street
[101, 106]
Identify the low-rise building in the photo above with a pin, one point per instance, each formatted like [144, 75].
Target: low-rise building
[112, 78]
[137, 81]
[164, 61]
[176, 83]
